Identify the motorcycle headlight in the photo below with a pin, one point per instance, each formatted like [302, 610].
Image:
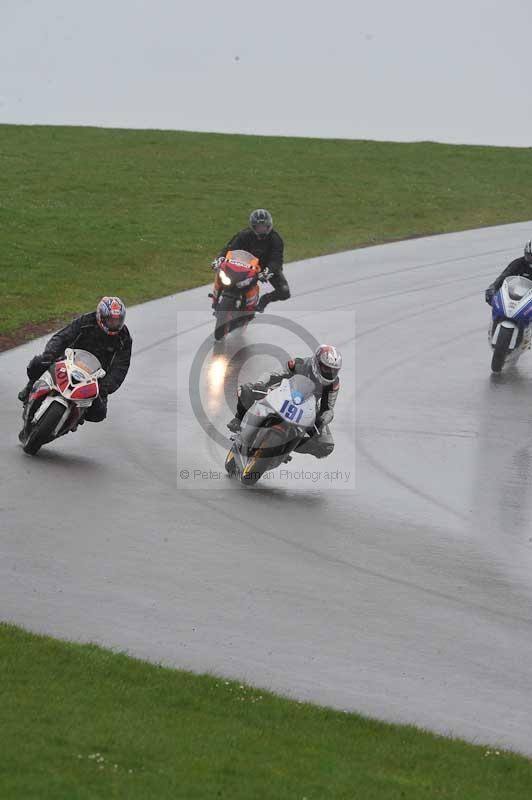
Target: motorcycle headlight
[225, 279]
[77, 376]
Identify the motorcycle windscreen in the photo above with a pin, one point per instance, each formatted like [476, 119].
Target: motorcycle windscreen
[301, 388]
[518, 287]
[86, 361]
[242, 258]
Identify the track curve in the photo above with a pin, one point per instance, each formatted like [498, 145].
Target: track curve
[401, 589]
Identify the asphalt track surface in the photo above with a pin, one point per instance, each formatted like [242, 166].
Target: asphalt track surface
[397, 582]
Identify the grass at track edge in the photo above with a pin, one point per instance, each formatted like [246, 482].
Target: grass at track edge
[92, 211]
[79, 721]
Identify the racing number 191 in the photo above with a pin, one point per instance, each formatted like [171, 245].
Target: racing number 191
[290, 411]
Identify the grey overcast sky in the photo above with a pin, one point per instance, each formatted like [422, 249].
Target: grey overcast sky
[446, 70]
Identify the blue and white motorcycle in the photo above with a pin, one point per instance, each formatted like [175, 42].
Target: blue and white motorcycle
[510, 331]
[281, 422]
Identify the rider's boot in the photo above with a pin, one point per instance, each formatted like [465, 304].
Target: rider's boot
[25, 393]
[263, 302]
[234, 425]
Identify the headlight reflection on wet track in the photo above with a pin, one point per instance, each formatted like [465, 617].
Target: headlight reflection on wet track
[216, 372]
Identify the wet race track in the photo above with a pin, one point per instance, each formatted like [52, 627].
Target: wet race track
[393, 578]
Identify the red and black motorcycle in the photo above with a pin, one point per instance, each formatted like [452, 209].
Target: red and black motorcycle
[235, 292]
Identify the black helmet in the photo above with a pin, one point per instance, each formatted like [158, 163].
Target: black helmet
[261, 222]
[528, 252]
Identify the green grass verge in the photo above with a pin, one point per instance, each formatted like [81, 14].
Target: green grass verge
[81, 722]
[86, 212]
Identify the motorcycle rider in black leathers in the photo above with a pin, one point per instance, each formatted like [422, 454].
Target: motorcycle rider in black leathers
[519, 266]
[104, 334]
[262, 241]
[322, 368]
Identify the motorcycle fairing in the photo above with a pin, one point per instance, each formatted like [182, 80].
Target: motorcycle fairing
[71, 382]
[514, 299]
[238, 274]
[512, 308]
[291, 407]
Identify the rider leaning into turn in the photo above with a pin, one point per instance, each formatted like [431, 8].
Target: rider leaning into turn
[104, 334]
[322, 368]
[262, 241]
[519, 266]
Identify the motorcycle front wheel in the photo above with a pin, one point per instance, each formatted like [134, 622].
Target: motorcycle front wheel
[254, 470]
[224, 314]
[501, 349]
[42, 431]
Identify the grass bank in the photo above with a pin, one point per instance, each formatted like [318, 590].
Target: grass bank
[79, 722]
[86, 212]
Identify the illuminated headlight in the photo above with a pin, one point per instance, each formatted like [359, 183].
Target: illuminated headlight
[77, 376]
[225, 279]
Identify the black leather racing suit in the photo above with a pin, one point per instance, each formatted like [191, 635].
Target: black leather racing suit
[519, 266]
[113, 353]
[326, 396]
[269, 250]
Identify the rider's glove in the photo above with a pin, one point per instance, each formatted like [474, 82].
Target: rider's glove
[490, 291]
[217, 263]
[325, 418]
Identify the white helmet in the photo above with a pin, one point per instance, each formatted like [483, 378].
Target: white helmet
[528, 252]
[326, 364]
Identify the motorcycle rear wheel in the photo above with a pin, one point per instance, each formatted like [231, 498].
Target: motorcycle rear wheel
[42, 431]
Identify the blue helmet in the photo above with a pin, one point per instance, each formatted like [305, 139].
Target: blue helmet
[111, 315]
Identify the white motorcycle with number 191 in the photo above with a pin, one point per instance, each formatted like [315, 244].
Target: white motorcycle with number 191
[278, 424]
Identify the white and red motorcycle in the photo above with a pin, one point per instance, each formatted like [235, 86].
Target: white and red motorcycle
[59, 399]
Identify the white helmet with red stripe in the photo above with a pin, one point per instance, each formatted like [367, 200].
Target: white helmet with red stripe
[326, 364]
[111, 315]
